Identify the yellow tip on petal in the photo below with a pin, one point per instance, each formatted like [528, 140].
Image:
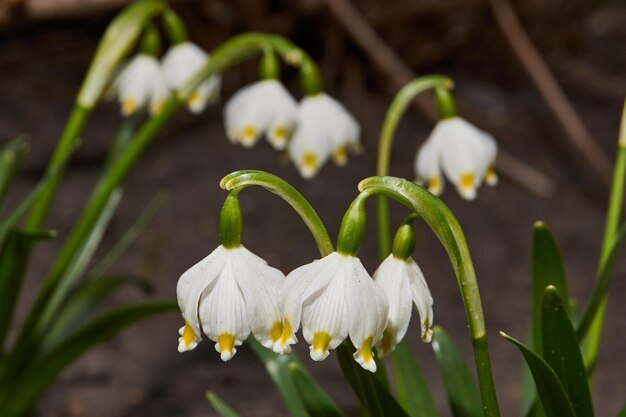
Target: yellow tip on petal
[248, 135]
[129, 106]
[385, 345]
[340, 156]
[194, 98]
[156, 109]
[279, 134]
[319, 348]
[308, 164]
[188, 339]
[226, 343]
[427, 332]
[466, 181]
[364, 355]
[281, 345]
[491, 178]
[276, 332]
[434, 185]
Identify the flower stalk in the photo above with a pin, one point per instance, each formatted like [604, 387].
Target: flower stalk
[396, 110]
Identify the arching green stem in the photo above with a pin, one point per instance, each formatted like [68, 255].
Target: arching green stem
[446, 227]
[247, 178]
[397, 108]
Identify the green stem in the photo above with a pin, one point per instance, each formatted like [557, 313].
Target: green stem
[58, 163]
[397, 108]
[443, 223]
[276, 185]
[613, 215]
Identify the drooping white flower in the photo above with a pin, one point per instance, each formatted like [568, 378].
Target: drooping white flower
[262, 108]
[140, 84]
[180, 64]
[405, 286]
[464, 153]
[324, 129]
[333, 298]
[228, 295]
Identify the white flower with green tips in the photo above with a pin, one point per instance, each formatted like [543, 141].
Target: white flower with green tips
[464, 153]
[325, 129]
[180, 64]
[141, 84]
[333, 298]
[228, 295]
[405, 286]
[262, 108]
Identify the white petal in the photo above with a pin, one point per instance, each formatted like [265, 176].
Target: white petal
[260, 287]
[223, 311]
[422, 298]
[392, 276]
[141, 82]
[368, 308]
[193, 283]
[427, 166]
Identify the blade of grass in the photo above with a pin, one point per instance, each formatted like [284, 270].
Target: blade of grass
[315, 400]
[220, 406]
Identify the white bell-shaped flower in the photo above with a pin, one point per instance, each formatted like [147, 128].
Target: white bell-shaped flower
[180, 64]
[333, 298]
[464, 153]
[228, 295]
[140, 84]
[428, 167]
[262, 108]
[324, 129]
[405, 286]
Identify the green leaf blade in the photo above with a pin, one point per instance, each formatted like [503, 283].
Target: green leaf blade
[562, 352]
[220, 407]
[315, 400]
[461, 388]
[553, 397]
[413, 392]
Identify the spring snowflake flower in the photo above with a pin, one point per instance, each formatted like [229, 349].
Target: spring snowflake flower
[141, 83]
[229, 294]
[180, 64]
[262, 108]
[325, 129]
[403, 282]
[464, 153]
[333, 298]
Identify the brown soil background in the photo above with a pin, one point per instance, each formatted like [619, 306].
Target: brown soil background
[140, 373]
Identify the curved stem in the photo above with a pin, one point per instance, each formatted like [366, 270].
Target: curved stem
[397, 108]
[247, 178]
[613, 215]
[446, 227]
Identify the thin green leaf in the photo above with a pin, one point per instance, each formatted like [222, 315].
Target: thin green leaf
[220, 406]
[622, 413]
[12, 269]
[562, 353]
[314, 398]
[413, 392]
[547, 270]
[461, 387]
[374, 397]
[41, 372]
[129, 237]
[553, 397]
[601, 288]
[11, 157]
[83, 303]
[277, 367]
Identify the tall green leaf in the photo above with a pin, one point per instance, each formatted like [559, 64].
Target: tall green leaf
[277, 367]
[622, 413]
[23, 391]
[461, 387]
[562, 352]
[547, 270]
[10, 159]
[553, 397]
[314, 398]
[220, 406]
[413, 392]
[12, 269]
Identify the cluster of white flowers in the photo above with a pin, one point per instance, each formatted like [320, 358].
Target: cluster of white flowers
[232, 293]
[313, 131]
[144, 82]
[464, 153]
